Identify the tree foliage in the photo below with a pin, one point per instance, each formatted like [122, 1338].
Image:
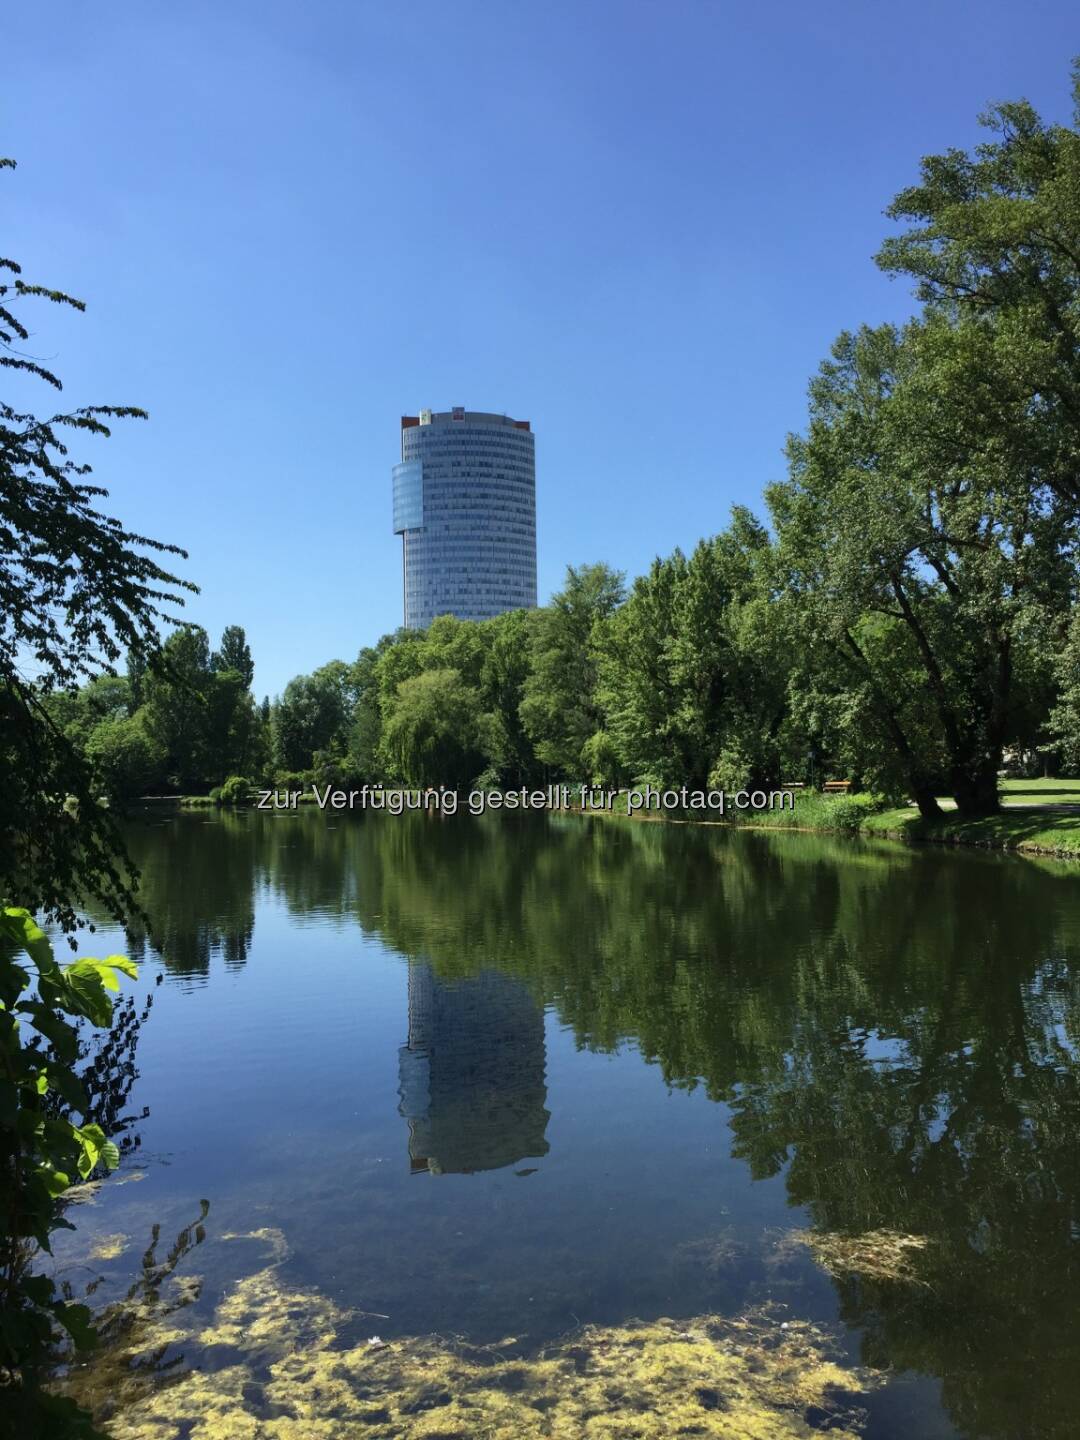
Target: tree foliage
[42, 1151]
[76, 590]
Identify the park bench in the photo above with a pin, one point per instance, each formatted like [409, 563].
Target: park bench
[836, 787]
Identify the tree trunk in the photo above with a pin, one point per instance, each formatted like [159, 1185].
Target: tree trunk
[975, 789]
[926, 800]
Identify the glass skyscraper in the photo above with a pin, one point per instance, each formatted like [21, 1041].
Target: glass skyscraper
[465, 508]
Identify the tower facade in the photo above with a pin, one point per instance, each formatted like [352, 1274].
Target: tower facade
[465, 508]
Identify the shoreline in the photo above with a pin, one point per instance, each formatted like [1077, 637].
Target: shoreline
[999, 832]
[1043, 830]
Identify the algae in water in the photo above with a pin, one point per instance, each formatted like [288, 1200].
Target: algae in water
[284, 1369]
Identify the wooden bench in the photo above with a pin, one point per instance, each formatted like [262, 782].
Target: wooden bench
[836, 787]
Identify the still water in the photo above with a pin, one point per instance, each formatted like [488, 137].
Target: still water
[490, 1077]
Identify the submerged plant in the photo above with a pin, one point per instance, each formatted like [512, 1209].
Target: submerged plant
[889, 1255]
[278, 1363]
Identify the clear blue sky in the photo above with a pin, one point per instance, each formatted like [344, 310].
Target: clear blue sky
[637, 224]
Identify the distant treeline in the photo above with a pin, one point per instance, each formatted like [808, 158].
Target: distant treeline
[906, 619]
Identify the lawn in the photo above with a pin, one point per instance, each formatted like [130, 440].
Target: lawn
[1039, 815]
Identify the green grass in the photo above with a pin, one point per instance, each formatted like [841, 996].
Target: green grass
[1067, 790]
[813, 811]
[1037, 826]
[1037, 817]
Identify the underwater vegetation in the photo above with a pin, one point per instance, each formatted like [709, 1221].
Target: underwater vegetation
[280, 1363]
[873, 1254]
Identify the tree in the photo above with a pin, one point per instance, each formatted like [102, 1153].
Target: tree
[234, 654]
[177, 687]
[560, 710]
[233, 728]
[309, 716]
[432, 734]
[365, 733]
[693, 668]
[1064, 721]
[918, 495]
[76, 588]
[995, 235]
[504, 674]
[125, 756]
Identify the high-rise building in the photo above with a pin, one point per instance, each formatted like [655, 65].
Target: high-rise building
[465, 508]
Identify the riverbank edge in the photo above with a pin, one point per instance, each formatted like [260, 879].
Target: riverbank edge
[1035, 830]
[1020, 830]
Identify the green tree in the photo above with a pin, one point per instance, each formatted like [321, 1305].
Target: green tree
[365, 732]
[176, 709]
[995, 235]
[504, 674]
[126, 756]
[309, 716]
[235, 743]
[694, 666]
[432, 735]
[1064, 719]
[916, 495]
[76, 589]
[234, 653]
[77, 712]
[560, 709]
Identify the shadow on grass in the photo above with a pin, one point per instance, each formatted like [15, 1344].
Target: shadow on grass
[1053, 829]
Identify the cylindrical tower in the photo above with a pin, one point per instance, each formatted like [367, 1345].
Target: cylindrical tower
[465, 508]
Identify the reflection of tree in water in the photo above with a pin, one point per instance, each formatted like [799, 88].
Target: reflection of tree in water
[896, 1028]
[966, 1134]
[198, 881]
[130, 1361]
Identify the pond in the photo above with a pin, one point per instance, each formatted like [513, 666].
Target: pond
[505, 1079]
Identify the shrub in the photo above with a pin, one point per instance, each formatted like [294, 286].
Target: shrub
[42, 1152]
[235, 791]
[847, 812]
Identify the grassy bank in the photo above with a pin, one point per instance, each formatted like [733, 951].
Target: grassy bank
[1038, 816]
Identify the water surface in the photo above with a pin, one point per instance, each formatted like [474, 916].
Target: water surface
[514, 1075]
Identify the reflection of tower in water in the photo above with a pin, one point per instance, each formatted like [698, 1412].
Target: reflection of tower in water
[472, 1074]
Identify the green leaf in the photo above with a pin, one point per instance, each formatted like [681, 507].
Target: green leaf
[85, 994]
[20, 926]
[14, 980]
[55, 1181]
[60, 1035]
[92, 1141]
[124, 965]
[110, 1156]
[101, 968]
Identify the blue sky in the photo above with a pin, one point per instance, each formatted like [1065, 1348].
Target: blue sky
[638, 225]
